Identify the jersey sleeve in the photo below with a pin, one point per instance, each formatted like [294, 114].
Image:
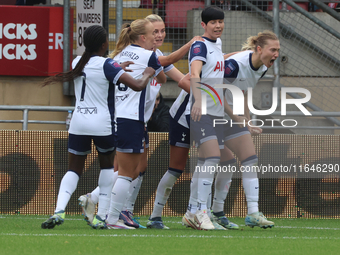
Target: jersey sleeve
[231, 70]
[155, 64]
[198, 51]
[168, 68]
[112, 70]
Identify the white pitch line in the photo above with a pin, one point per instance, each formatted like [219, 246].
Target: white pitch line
[178, 236]
[179, 222]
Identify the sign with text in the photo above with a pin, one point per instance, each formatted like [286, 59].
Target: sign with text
[31, 40]
[89, 12]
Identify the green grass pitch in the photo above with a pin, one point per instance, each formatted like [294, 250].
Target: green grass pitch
[23, 235]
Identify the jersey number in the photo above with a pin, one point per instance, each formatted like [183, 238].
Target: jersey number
[83, 77]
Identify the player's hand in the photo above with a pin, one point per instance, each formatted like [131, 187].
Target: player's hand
[254, 131]
[196, 111]
[125, 64]
[196, 38]
[149, 71]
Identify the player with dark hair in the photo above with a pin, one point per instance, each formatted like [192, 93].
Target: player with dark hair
[206, 66]
[94, 79]
[89, 200]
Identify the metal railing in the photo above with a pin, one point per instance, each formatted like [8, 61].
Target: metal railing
[26, 108]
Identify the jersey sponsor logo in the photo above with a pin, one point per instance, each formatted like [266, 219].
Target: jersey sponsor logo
[219, 66]
[87, 110]
[155, 83]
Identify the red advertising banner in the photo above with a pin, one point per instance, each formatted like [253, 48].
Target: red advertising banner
[31, 40]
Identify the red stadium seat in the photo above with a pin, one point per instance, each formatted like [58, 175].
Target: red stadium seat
[176, 12]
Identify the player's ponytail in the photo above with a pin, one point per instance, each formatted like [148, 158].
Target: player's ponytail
[94, 37]
[261, 39]
[129, 34]
[123, 40]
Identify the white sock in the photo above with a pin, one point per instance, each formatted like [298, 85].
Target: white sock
[251, 189]
[251, 185]
[95, 192]
[192, 206]
[67, 186]
[222, 185]
[105, 183]
[163, 191]
[205, 180]
[118, 197]
[95, 195]
[209, 205]
[133, 193]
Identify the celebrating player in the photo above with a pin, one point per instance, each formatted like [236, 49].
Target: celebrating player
[94, 84]
[244, 71]
[206, 65]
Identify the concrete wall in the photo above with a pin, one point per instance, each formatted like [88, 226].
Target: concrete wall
[28, 91]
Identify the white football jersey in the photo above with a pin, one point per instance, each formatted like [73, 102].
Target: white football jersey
[209, 52]
[95, 97]
[154, 89]
[239, 71]
[178, 109]
[130, 104]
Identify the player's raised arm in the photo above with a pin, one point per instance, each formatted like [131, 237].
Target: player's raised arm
[138, 84]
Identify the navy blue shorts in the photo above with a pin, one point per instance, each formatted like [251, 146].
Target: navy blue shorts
[81, 144]
[130, 135]
[231, 132]
[179, 135]
[146, 136]
[204, 130]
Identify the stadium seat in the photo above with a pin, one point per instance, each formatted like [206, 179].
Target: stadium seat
[176, 12]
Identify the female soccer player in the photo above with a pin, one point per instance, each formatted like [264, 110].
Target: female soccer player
[133, 44]
[174, 74]
[244, 71]
[94, 84]
[206, 65]
[89, 201]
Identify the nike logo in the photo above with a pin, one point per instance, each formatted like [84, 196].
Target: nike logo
[211, 52]
[242, 79]
[206, 184]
